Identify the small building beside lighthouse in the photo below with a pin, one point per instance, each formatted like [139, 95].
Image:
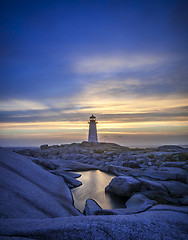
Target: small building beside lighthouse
[92, 137]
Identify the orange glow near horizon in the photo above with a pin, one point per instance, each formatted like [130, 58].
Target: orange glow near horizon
[121, 116]
[84, 125]
[49, 128]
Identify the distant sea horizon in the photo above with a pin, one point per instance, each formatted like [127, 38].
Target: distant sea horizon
[130, 146]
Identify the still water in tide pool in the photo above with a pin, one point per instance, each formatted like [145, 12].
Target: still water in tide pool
[93, 186]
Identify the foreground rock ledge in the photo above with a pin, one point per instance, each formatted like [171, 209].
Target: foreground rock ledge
[29, 191]
[148, 225]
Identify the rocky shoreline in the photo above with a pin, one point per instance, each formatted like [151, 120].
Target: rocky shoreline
[153, 181]
[158, 173]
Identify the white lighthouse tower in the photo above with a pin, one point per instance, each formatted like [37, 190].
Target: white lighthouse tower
[92, 137]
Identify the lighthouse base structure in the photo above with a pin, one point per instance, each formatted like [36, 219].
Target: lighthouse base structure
[92, 132]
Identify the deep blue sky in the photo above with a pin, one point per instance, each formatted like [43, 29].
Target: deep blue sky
[59, 57]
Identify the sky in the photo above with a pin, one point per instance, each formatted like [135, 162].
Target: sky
[125, 61]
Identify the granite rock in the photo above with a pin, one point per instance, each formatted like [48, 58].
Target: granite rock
[91, 207]
[124, 186]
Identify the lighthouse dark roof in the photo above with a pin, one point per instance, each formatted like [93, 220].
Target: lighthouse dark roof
[92, 116]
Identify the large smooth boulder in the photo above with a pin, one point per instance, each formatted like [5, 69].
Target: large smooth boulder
[29, 191]
[124, 186]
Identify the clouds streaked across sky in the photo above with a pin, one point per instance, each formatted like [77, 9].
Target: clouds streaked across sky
[123, 61]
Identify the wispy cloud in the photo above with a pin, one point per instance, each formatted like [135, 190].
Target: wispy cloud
[110, 64]
[21, 105]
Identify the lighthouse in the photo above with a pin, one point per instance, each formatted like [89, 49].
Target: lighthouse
[92, 137]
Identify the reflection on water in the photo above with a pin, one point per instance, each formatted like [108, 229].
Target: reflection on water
[93, 186]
